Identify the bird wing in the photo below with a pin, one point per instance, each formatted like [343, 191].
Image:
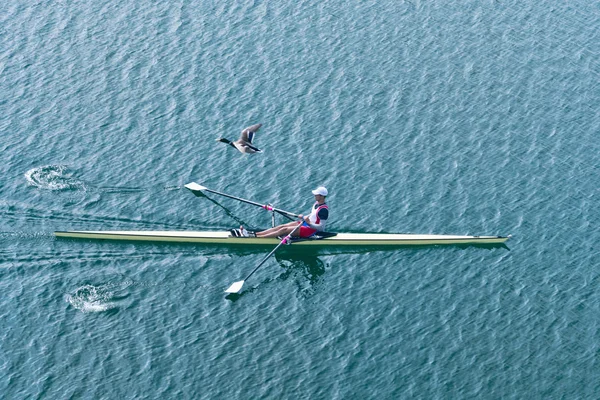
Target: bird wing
[248, 133]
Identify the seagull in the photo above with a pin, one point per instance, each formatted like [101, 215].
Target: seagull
[244, 143]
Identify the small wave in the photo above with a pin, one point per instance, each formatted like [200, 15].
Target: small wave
[52, 177]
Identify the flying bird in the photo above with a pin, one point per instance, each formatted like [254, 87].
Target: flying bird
[244, 143]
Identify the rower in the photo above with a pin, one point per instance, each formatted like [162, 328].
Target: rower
[311, 224]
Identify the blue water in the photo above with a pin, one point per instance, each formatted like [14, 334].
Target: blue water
[425, 117]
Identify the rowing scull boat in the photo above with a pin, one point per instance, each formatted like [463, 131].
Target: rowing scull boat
[321, 239]
[328, 239]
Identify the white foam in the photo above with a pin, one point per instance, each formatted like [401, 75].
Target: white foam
[89, 298]
[52, 177]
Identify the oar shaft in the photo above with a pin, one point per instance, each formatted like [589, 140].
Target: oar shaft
[234, 197]
[264, 206]
[284, 240]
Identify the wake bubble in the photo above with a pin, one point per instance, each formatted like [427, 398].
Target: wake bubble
[52, 177]
[99, 298]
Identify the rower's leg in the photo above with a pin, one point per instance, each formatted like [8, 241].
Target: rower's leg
[281, 230]
[273, 232]
[276, 231]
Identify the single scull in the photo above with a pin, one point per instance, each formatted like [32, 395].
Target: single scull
[320, 239]
[323, 239]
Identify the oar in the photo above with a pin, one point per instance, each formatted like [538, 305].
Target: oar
[237, 286]
[195, 187]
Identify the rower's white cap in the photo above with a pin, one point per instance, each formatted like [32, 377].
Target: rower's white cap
[320, 190]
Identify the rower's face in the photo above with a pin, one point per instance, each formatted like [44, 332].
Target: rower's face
[318, 197]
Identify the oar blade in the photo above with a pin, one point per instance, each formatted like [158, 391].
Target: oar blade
[235, 287]
[195, 188]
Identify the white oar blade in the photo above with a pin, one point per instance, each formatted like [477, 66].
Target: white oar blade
[235, 287]
[194, 187]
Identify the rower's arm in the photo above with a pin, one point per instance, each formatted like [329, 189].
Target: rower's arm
[318, 227]
[323, 215]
